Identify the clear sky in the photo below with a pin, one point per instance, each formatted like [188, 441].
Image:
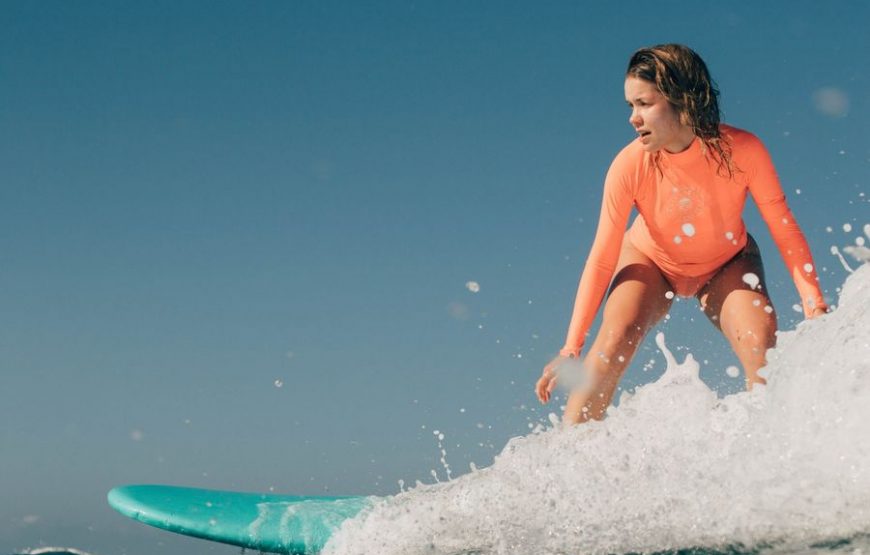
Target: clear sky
[236, 236]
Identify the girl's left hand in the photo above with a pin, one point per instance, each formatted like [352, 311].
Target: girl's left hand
[818, 312]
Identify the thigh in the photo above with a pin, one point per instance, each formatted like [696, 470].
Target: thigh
[736, 297]
[638, 296]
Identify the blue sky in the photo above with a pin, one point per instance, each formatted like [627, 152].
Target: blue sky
[236, 236]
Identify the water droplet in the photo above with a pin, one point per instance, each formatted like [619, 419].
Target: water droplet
[847, 227]
[751, 280]
[689, 230]
[472, 286]
[729, 235]
[808, 268]
[279, 383]
[669, 295]
[732, 371]
[678, 239]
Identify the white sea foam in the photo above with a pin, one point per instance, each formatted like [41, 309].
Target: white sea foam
[672, 467]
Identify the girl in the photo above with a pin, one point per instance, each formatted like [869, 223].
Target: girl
[688, 176]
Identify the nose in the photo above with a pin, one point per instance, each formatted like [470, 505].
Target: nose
[634, 119]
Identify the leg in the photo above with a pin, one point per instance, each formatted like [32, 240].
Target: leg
[635, 303]
[744, 314]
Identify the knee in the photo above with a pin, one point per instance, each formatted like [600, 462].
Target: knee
[618, 341]
[756, 339]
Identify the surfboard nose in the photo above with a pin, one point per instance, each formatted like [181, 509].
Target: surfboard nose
[267, 522]
[125, 500]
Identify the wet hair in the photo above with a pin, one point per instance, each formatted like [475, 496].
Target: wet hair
[682, 77]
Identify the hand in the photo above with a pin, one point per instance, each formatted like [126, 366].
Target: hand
[547, 381]
[818, 311]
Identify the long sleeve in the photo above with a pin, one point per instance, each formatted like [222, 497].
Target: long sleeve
[767, 192]
[615, 209]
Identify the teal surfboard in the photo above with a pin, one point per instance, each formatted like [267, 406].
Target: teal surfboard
[266, 522]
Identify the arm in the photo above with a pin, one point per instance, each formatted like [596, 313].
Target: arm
[765, 188]
[601, 263]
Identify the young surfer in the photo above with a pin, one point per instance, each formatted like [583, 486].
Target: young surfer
[687, 175]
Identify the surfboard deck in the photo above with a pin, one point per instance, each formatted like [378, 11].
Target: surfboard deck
[266, 522]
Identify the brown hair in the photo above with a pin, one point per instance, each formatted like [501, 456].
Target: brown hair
[682, 77]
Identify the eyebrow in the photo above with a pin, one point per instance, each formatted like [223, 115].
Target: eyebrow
[636, 99]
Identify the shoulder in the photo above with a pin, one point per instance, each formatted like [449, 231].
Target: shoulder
[631, 154]
[747, 150]
[631, 162]
[741, 141]
[751, 158]
[628, 170]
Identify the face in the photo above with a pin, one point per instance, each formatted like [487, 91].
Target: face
[657, 123]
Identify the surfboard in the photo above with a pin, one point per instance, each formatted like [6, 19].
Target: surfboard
[266, 522]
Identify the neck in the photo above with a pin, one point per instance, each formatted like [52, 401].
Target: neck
[682, 142]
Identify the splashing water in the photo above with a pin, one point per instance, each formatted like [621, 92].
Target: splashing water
[751, 280]
[672, 467]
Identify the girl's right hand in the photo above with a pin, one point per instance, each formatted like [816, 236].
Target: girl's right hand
[547, 382]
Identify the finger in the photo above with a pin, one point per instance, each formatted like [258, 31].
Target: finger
[551, 386]
[542, 390]
[539, 390]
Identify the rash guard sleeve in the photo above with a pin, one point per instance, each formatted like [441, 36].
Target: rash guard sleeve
[765, 188]
[616, 208]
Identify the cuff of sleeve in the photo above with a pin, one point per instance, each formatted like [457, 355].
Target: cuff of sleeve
[813, 303]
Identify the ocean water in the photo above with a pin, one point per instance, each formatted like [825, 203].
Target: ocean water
[783, 469]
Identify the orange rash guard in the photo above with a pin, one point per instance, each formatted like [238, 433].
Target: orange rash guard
[689, 220]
